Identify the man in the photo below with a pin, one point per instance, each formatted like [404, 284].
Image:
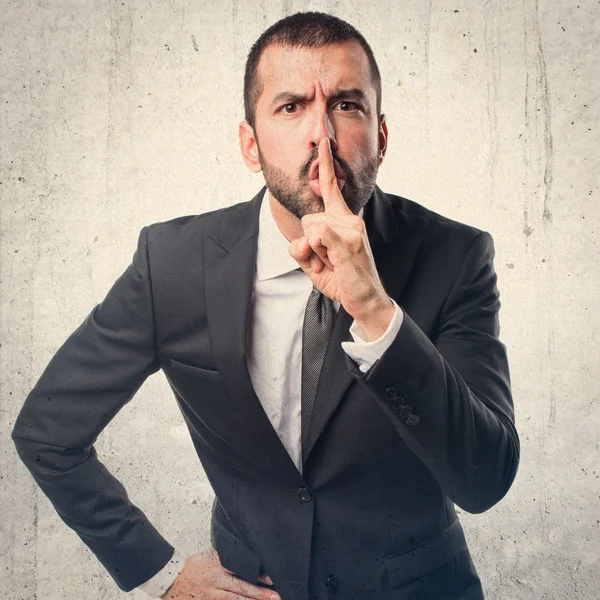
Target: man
[338, 485]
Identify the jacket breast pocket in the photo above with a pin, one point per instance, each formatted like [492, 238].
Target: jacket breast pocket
[425, 558]
[189, 368]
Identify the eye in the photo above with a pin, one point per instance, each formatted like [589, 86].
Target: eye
[289, 108]
[348, 106]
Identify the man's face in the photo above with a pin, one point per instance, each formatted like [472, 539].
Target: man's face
[305, 95]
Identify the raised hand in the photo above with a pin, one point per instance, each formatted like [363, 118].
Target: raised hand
[335, 253]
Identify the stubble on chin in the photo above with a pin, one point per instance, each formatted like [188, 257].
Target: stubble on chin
[300, 199]
[296, 198]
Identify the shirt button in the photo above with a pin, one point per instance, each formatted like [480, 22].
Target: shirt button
[332, 583]
[405, 411]
[398, 402]
[412, 420]
[304, 494]
[390, 393]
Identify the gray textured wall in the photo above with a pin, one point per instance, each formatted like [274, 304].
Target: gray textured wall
[117, 114]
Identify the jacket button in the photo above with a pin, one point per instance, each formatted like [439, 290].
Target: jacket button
[405, 411]
[390, 393]
[304, 494]
[332, 583]
[412, 420]
[398, 402]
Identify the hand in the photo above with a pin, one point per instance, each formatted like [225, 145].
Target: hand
[203, 578]
[335, 253]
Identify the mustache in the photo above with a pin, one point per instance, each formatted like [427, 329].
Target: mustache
[348, 174]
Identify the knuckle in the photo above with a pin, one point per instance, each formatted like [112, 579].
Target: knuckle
[358, 223]
[306, 220]
[354, 241]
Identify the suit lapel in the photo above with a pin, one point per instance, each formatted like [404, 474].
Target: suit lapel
[229, 269]
[395, 248]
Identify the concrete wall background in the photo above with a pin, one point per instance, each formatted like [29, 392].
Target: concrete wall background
[118, 114]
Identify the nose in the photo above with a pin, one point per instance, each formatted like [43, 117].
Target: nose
[321, 127]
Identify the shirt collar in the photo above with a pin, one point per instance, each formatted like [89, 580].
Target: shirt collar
[272, 257]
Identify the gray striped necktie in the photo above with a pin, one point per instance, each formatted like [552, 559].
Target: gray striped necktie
[318, 324]
[316, 331]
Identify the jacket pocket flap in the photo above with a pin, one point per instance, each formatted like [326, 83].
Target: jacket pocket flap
[235, 554]
[211, 373]
[428, 556]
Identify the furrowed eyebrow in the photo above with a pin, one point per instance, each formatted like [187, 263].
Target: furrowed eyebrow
[288, 98]
[340, 94]
[349, 94]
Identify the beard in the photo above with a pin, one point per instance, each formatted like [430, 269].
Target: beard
[299, 199]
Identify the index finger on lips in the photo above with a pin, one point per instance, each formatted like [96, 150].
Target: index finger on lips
[332, 196]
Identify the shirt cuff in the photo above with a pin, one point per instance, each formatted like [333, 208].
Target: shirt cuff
[364, 353]
[159, 583]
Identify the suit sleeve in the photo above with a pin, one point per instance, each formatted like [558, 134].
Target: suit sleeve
[449, 397]
[90, 378]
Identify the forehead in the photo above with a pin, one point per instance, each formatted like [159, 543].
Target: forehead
[292, 68]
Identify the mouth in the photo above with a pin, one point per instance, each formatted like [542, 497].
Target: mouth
[314, 170]
[313, 176]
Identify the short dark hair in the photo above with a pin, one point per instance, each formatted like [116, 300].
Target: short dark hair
[307, 30]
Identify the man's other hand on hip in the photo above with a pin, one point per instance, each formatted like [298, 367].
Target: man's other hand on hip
[204, 578]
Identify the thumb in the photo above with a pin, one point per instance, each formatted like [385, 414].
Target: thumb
[300, 249]
[265, 579]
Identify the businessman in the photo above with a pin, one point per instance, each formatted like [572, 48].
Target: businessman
[333, 350]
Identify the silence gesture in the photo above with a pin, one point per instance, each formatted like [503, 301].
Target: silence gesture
[335, 253]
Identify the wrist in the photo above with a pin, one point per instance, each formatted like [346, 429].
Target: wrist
[376, 318]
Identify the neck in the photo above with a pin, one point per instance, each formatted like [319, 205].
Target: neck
[288, 223]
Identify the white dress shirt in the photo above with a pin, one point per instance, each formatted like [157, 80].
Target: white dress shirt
[274, 352]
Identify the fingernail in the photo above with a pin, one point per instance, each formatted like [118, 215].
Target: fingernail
[274, 597]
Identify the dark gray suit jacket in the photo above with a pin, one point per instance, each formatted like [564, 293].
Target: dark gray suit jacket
[390, 451]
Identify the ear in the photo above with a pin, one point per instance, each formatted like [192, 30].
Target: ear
[249, 147]
[383, 137]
